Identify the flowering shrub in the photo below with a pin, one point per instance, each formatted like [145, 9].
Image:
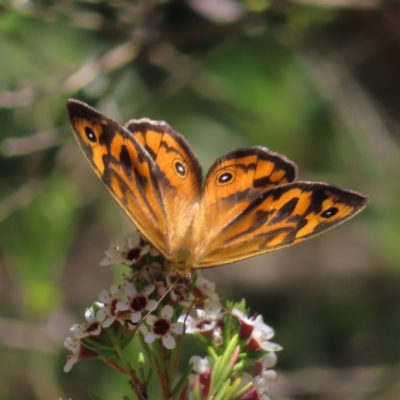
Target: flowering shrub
[146, 304]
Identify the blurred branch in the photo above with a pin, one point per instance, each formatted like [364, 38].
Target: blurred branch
[366, 4]
[27, 336]
[30, 144]
[129, 13]
[361, 117]
[20, 198]
[351, 383]
[112, 60]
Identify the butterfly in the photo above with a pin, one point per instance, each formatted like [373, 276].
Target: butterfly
[249, 202]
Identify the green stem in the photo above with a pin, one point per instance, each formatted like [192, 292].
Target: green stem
[176, 356]
[158, 362]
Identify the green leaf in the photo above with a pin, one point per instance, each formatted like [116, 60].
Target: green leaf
[221, 393]
[95, 397]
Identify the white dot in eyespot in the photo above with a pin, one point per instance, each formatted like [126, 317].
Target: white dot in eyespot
[180, 169]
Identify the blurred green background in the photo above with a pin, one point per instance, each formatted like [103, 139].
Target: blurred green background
[316, 80]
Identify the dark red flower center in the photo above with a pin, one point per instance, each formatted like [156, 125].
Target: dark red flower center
[139, 303]
[161, 327]
[92, 327]
[203, 324]
[133, 254]
[113, 309]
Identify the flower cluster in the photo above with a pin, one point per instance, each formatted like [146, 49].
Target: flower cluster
[147, 305]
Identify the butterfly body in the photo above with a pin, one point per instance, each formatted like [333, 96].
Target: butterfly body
[249, 202]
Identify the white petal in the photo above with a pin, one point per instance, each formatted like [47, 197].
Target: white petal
[269, 360]
[151, 319]
[133, 239]
[178, 328]
[71, 360]
[130, 290]
[270, 376]
[145, 250]
[122, 306]
[76, 327]
[89, 315]
[142, 328]
[167, 312]
[135, 317]
[104, 297]
[271, 346]
[71, 344]
[200, 365]
[114, 290]
[184, 318]
[238, 313]
[260, 384]
[108, 322]
[154, 252]
[101, 315]
[150, 337]
[168, 341]
[151, 305]
[148, 289]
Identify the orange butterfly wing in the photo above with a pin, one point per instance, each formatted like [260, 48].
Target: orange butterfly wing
[282, 216]
[125, 168]
[249, 203]
[179, 178]
[237, 179]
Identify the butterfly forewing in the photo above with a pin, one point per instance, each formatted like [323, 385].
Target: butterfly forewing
[178, 173]
[125, 168]
[282, 216]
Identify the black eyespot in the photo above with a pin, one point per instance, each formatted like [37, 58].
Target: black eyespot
[330, 212]
[225, 178]
[90, 134]
[180, 168]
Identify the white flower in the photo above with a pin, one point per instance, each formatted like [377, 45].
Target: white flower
[205, 288]
[203, 293]
[92, 327]
[137, 301]
[74, 346]
[161, 327]
[262, 382]
[257, 331]
[261, 385]
[202, 321]
[201, 365]
[108, 303]
[128, 250]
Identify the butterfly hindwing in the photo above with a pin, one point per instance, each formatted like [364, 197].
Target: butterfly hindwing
[282, 216]
[237, 179]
